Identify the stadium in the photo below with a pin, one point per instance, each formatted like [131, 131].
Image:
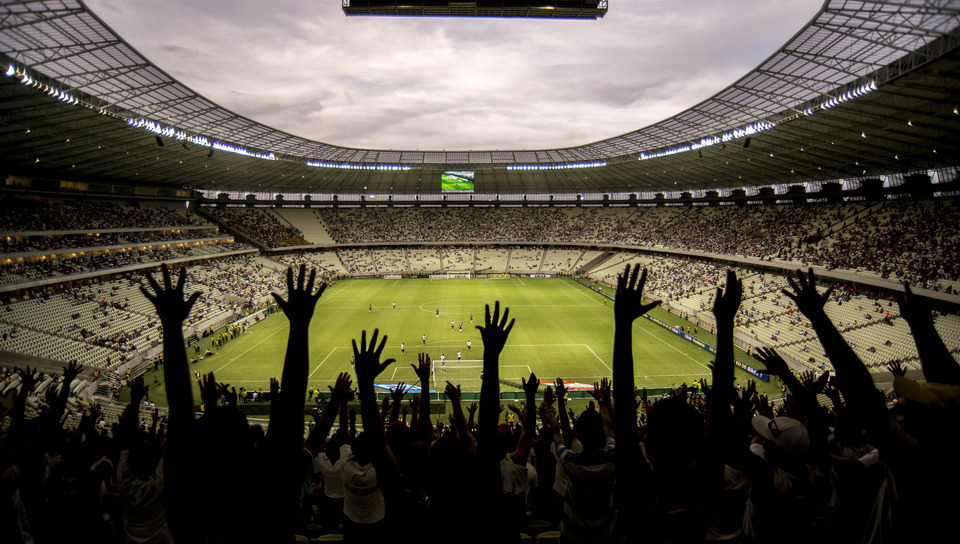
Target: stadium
[136, 209]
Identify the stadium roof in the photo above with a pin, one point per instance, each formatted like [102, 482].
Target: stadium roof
[865, 89]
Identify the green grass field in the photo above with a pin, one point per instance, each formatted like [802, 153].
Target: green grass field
[562, 330]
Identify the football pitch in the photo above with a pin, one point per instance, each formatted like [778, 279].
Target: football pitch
[562, 329]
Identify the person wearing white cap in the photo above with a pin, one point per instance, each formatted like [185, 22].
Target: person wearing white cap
[787, 492]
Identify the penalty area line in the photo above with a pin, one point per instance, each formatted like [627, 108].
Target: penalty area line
[598, 358]
[324, 360]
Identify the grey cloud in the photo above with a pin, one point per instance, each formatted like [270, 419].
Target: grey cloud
[303, 67]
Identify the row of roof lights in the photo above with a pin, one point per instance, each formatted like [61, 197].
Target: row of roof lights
[862, 90]
[27, 80]
[734, 134]
[761, 126]
[139, 122]
[564, 166]
[177, 134]
[348, 166]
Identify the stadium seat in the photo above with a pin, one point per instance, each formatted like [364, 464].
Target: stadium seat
[549, 537]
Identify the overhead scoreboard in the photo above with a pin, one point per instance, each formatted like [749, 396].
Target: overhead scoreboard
[551, 9]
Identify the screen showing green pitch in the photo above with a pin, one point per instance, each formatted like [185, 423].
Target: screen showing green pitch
[456, 181]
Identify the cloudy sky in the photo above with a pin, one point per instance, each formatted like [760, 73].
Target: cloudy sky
[302, 66]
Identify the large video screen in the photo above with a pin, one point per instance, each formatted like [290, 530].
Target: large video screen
[456, 181]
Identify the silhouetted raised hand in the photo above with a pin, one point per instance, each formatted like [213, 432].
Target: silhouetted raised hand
[805, 294]
[628, 304]
[168, 300]
[423, 370]
[301, 300]
[727, 301]
[495, 330]
[367, 358]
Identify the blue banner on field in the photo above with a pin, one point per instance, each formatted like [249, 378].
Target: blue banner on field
[705, 346]
[392, 387]
[592, 288]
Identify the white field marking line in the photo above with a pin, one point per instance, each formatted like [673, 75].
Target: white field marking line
[324, 360]
[598, 358]
[445, 342]
[394, 283]
[665, 375]
[275, 332]
[248, 349]
[583, 379]
[521, 282]
[322, 300]
[465, 367]
[671, 347]
[636, 324]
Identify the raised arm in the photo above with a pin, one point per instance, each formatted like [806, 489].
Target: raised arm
[173, 310]
[286, 408]
[397, 396]
[459, 421]
[27, 382]
[725, 305]
[529, 419]
[368, 367]
[601, 393]
[853, 378]
[494, 333]
[423, 427]
[57, 408]
[935, 360]
[806, 396]
[339, 394]
[562, 417]
[627, 307]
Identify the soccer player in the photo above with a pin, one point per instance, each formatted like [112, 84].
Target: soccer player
[461, 325]
[443, 362]
[424, 338]
[451, 325]
[402, 345]
[352, 362]
[458, 355]
[438, 312]
[471, 318]
[433, 372]
[468, 345]
[394, 305]
[370, 308]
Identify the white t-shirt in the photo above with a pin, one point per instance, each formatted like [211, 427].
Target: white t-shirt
[362, 497]
[332, 484]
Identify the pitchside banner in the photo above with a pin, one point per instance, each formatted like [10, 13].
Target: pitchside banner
[393, 387]
[393, 277]
[703, 345]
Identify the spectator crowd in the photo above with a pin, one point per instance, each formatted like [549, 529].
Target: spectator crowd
[835, 462]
